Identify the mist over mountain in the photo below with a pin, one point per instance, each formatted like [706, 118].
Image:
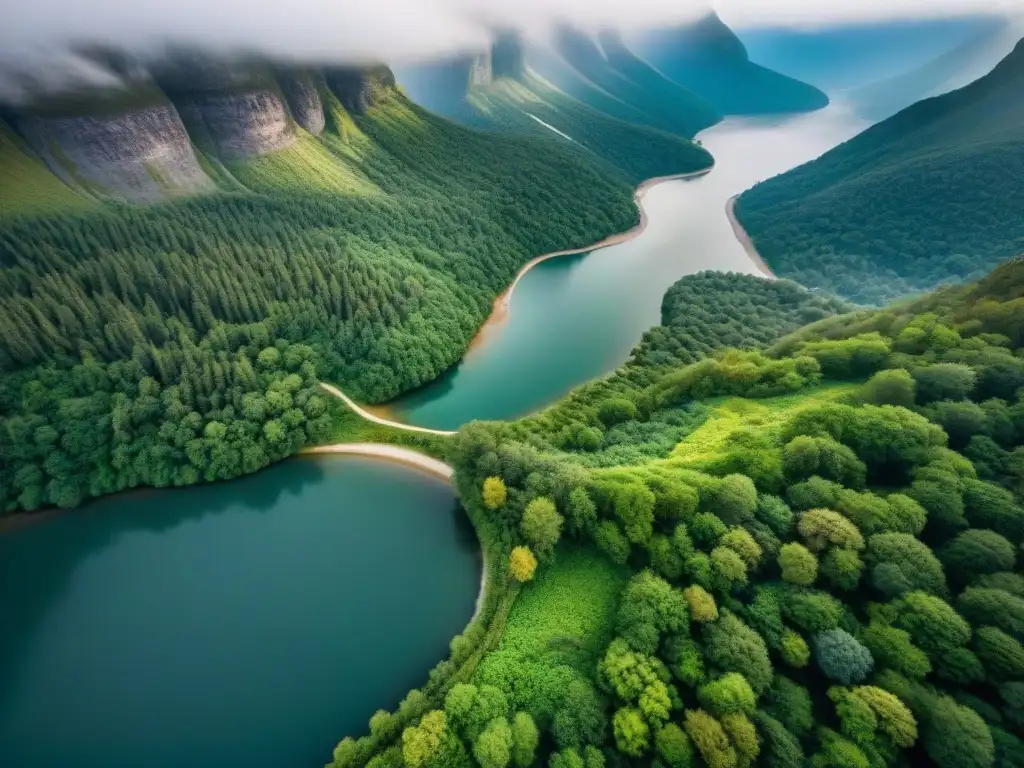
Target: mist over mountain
[38, 40]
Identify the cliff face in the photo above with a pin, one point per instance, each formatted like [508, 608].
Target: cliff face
[143, 155]
[359, 88]
[480, 70]
[241, 125]
[304, 101]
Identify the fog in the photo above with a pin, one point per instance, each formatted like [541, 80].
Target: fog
[36, 34]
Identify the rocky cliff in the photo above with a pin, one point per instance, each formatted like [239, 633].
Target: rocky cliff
[239, 125]
[359, 88]
[303, 101]
[480, 70]
[142, 155]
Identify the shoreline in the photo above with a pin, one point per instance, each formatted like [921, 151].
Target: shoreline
[500, 309]
[393, 453]
[744, 239]
[409, 458]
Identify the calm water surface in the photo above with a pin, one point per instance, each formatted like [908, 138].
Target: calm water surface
[576, 318]
[249, 624]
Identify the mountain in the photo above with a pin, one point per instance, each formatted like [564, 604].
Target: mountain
[600, 73]
[534, 92]
[962, 65]
[855, 55]
[929, 195]
[707, 58]
[607, 64]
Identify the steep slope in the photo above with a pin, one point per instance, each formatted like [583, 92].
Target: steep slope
[707, 58]
[128, 145]
[26, 185]
[608, 65]
[599, 73]
[932, 194]
[954, 69]
[532, 106]
[503, 92]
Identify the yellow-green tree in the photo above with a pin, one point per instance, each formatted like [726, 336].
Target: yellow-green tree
[522, 564]
[420, 743]
[494, 493]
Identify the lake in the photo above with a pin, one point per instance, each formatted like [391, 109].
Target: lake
[251, 623]
[575, 318]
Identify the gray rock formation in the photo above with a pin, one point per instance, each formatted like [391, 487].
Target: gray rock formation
[359, 88]
[143, 155]
[240, 125]
[480, 70]
[304, 101]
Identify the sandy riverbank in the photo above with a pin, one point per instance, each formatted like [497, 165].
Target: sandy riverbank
[744, 238]
[500, 310]
[384, 451]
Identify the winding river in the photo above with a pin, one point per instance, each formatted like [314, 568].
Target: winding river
[575, 318]
[250, 623]
[253, 623]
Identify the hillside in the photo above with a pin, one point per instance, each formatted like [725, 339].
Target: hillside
[180, 341]
[604, 68]
[965, 63]
[816, 564]
[707, 58]
[929, 195]
[509, 91]
[26, 186]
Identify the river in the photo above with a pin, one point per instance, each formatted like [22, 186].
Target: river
[575, 318]
[250, 623]
[253, 623]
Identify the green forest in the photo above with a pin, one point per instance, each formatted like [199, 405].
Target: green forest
[178, 342]
[931, 195]
[821, 569]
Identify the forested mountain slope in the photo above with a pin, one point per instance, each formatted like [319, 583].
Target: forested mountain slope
[707, 58]
[929, 195]
[180, 341]
[640, 125]
[599, 72]
[822, 568]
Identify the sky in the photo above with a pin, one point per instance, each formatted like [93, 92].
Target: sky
[34, 33]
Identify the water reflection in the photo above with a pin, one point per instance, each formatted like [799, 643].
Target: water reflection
[244, 623]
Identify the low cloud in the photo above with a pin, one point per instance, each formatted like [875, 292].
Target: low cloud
[37, 33]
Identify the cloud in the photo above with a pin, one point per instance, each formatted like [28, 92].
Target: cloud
[389, 30]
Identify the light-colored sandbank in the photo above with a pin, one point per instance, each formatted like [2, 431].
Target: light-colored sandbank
[744, 238]
[376, 419]
[499, 313]
[384, 451]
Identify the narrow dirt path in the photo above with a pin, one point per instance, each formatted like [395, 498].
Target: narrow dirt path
[335, 392]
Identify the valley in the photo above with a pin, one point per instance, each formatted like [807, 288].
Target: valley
[695, 495]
